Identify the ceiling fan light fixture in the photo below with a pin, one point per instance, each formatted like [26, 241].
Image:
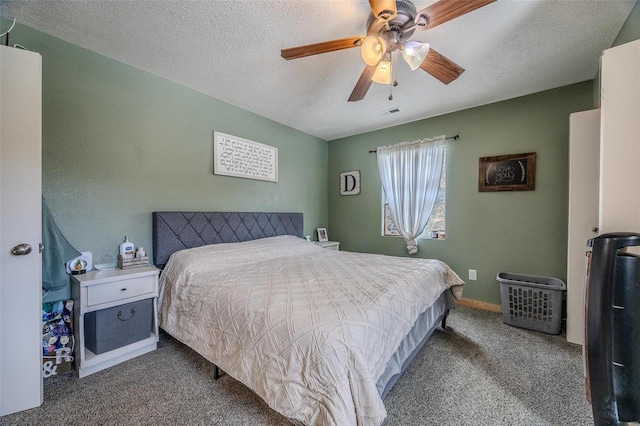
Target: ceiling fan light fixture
[383, 9]
[373, 50]
[414, 53]
[383, 73]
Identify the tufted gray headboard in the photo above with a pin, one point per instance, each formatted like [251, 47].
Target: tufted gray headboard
[173, 231]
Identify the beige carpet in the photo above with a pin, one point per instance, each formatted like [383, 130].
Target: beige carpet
[478, 372]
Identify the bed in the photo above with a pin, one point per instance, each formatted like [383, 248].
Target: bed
[320, 335]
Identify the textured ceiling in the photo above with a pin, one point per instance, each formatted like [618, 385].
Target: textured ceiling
[231, 50]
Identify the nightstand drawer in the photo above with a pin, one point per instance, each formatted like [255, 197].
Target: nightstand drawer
[119, 290]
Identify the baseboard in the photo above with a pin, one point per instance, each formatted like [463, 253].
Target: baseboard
[480, 305]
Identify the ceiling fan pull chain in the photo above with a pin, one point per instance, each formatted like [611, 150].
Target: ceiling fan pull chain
[392, 81]
[395, 68]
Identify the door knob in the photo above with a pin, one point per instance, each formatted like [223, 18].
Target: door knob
[21, 249]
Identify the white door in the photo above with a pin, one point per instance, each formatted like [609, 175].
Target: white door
[20, 223]
[584, 147]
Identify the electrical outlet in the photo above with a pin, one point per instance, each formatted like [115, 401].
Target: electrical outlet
[473, 274]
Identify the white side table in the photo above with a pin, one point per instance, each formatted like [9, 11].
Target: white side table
[331, 245]
[97, 290]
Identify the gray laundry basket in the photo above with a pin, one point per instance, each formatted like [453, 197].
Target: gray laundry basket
[531, 301]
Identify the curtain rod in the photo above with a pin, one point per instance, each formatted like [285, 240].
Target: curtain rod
[456, 137]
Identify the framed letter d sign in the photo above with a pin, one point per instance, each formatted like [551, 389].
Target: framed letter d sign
[350, 183]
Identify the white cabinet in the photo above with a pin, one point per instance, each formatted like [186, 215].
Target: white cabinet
[604, 170]
[98, 290]
[619, 141]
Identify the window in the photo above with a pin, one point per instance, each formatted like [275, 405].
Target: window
[436, 225]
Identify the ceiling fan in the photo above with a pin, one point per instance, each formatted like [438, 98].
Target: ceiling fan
[390, 25]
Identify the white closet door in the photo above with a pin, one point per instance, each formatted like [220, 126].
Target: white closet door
[20, 223]
[584, 146]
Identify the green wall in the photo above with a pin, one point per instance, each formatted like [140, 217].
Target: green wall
[631, 29]
[119, 143]
[522, 232]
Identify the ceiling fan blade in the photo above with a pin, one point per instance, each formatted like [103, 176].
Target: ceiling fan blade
[441, 67]
[324, 47]
[363, 84]
[446, 10]
[383, 9]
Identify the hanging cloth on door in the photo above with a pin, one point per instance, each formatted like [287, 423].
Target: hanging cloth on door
[57, 252]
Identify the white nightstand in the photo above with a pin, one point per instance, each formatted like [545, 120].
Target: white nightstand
[331, 245]
[98, 290]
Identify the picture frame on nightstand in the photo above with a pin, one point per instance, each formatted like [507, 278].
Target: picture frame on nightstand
[322, 234]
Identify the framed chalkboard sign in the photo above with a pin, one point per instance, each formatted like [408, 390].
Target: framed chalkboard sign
[507, 173]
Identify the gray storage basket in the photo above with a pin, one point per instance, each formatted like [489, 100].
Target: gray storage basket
[531, 301]
[112, 328]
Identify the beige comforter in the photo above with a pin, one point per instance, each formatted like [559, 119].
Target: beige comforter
[309, 330]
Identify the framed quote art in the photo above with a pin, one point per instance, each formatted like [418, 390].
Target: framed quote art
[238, 157]
[507, 173]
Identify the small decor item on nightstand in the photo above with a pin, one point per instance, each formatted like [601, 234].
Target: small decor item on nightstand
[79, 267]
[140, 259]
[126, 249]
[80, 264]
[106, 262]
[322, 234]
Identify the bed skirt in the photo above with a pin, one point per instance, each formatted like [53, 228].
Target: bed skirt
[425, 325]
